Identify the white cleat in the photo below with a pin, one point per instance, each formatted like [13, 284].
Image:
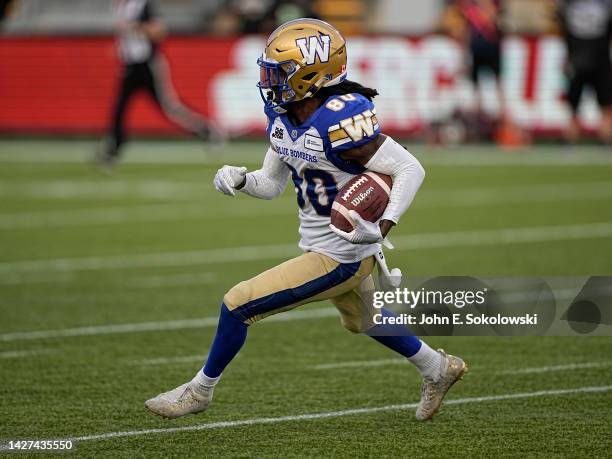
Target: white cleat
[179, 402]
[433, 392]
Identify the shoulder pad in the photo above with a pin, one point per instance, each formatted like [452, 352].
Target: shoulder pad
[349, 121]
[346, 122]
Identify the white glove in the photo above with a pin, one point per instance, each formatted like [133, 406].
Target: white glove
[365, 232]
[228, 178]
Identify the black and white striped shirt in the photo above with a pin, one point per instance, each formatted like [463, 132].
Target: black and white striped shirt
[134, 46]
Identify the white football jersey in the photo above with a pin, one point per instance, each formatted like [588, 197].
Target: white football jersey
[311, 152]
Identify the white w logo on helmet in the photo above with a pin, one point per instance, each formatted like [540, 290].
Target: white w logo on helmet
[314, 46]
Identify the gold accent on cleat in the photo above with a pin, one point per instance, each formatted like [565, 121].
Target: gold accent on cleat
[433, 392]
[179, 402]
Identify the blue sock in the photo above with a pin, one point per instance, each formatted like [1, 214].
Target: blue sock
[231, 335]
[396, 337]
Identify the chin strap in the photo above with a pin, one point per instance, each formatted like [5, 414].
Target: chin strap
[279, 109]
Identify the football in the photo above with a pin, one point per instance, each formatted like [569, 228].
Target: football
[367, 194]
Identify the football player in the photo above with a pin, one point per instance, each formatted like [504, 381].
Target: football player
[323, 131]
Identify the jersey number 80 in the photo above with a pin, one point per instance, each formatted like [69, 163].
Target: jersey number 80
[327, 187]
[336, 104]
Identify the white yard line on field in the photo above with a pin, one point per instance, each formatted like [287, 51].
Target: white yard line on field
[36, 278]
[160, 155]
[181, 211]
[25, 353]
[152, 153]
[525, 194]
[401, 361]
[67, 189]
[174, 280]
[552, 368]
[421, 241]
[203, 322]
[360, 363]
[161, 281]
[170, 360]
[148, 260]
[333, 414]
[122, 215]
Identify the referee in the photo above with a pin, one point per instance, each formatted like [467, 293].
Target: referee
[587, 30]
[139, 33]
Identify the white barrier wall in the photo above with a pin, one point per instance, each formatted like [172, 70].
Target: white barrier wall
[421, 81]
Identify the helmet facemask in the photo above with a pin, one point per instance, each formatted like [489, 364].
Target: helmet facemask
[273, 85]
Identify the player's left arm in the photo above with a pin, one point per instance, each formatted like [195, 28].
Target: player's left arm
[383, 154]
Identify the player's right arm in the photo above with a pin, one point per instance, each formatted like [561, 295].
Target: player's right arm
[355, 139]
[265, 183]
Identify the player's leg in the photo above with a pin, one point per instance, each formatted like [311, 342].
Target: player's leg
[110, 149]
[507, 133]
[357, 315]
[439, 370]
[161, 88]
[605, 128]
[603, 90]
[574, 92]
[196, 395]
[307, 278]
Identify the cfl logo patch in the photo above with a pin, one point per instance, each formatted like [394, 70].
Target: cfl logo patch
[278, 133]
[314, 46]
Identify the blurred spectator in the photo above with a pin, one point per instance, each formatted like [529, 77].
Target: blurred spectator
[139, 33]
[288, 10]
[348, 16]
[484, 36]
[5, 8]
[530, 16]
[453, 23]
[478, 24]
[258, 16]
[587, 29]
[225, 23]
[255, 15]
[406, 17]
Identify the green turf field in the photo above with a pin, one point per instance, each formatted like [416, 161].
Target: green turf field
[110, 287]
